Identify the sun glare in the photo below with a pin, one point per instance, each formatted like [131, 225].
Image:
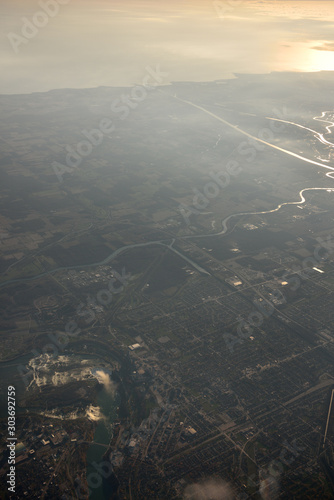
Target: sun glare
[322, 60]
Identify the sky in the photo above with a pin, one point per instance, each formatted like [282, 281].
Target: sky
[84, 44]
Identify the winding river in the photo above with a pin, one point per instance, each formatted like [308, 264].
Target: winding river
[224, 223]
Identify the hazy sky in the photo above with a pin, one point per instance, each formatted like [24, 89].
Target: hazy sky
[111, 42]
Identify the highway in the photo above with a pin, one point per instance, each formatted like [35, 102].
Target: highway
[225, 221]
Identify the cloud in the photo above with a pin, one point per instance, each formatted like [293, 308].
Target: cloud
[212, 489]
[104, 378]
[269, 488]
[325, 46]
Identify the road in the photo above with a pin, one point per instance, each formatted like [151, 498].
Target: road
[224, 222]
[243, 132]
